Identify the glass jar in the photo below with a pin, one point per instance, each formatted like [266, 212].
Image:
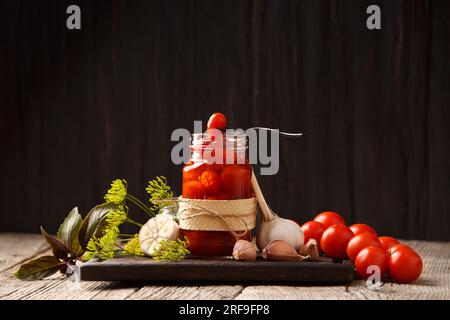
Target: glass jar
[218, 170]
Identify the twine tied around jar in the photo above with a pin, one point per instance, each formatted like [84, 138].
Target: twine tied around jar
[216, 215]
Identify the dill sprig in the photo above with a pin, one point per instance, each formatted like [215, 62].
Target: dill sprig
[118, 194]
[103, 247]
[171, 250]
[158, 190]
[134, 247]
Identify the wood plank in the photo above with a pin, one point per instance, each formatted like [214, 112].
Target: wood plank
[217, 271]
[434, 282]
[295, 293]
[16, 248]
[187, 292]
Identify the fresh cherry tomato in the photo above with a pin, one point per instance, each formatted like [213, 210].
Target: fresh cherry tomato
[388, 242]
[361, 241]
[217, 121]
[328, 218]
[236, 181]
[396, 247]
[193, 190]
[210, 181]
[313, 230]
[361, 228]
[371, 256]
[335, 239]
[405, 265]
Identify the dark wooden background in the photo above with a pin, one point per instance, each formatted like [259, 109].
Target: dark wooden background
[80, 108]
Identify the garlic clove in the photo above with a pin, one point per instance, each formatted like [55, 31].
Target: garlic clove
[244, 251]
[311, 248]
[280, 250]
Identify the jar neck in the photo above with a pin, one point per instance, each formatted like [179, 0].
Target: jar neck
[220, 148]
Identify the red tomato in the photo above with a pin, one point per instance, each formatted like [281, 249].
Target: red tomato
[192, 171]
[210, 181]
[396, 247]
[405, 265]
[217, 121]
[236, 180]
[313, 230]
[193, 190]
[335, 239]
[361, 241]
[361, 228]
[219, 196]
[388, 242]
[328, 218]
[371, 256]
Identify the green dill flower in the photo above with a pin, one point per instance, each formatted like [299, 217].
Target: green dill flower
[117, 193]
[158, 190]
[134, 247]
[103, 247]
[116, 217]
[171, 250]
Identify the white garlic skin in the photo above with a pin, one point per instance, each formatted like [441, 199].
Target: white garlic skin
[280, 229]
[156, 229]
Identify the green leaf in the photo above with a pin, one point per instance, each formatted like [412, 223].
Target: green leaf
[59, 249]
[39, 268]
[94, 222]
[68, 232]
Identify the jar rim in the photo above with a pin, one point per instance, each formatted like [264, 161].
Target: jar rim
[206, 141]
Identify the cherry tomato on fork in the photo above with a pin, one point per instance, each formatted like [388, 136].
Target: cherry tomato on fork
[217, 121]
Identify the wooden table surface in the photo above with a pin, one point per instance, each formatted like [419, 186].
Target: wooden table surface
[18, 248]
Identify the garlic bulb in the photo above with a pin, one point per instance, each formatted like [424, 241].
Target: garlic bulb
[156, 229]
[273, 227]
[280, 229]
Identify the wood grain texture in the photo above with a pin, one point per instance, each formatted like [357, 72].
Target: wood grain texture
[80, 108]
[433, 284]
[187, 292]
[13, 252]
[220, 271]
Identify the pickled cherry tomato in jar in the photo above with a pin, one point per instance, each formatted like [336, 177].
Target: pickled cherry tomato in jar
[218, 170]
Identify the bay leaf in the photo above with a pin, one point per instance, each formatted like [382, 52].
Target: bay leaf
[68, 232]
[94, 222]
[60, 250]
[39, 268]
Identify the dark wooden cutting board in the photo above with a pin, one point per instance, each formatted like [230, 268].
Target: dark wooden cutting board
[217, 271]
